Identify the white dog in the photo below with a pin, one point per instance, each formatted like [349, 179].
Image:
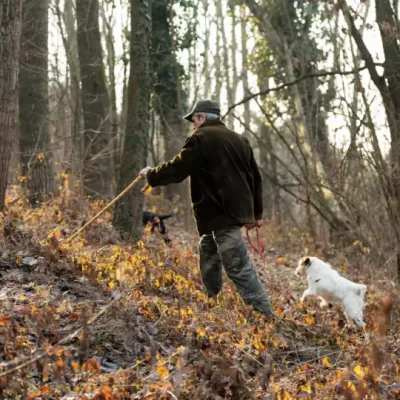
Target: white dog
[330, 287]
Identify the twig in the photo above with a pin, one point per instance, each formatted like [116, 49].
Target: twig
[25, 361]
[249, 355]
[320, 74]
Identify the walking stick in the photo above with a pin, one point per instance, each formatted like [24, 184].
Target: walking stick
[123, 193]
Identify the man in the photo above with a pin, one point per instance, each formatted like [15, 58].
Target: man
[226, 191]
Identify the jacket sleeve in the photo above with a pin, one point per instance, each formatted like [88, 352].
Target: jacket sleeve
[180, 167]
[257, 195]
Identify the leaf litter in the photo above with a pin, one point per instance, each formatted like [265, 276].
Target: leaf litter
[113, 320]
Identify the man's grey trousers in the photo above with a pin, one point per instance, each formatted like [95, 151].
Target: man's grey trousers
[226, 247]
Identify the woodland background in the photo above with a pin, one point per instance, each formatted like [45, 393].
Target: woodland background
[91, 91]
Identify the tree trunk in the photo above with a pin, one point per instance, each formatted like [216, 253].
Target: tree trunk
[114, 149]
[221, 28]
[67, 19]
[207, 69]
[128, 212]
[95, 101]
[184, 186]
[10, 42]
[234, 50]
[217, 64]
[35, 147]
[244, 74]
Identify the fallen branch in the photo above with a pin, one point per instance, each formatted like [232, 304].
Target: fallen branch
[22, 362]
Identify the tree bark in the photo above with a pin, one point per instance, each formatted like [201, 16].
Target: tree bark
[221, 28]
[35, 146]
[128, 213]
[244, 74]
[10, 42]
[66, 20]
[184, 186]
[207, 69]
[95, 101]
[114, 141]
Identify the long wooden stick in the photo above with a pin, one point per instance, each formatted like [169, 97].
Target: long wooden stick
[112, 202]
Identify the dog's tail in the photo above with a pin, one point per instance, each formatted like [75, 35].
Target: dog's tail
[360, 290]
[162, 217]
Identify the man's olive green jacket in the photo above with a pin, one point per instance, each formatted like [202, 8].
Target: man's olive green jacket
[225, 180]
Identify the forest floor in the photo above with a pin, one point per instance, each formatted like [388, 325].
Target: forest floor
[103, 319]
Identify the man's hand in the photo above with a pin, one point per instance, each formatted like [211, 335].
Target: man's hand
[251, 225]
[144, 171]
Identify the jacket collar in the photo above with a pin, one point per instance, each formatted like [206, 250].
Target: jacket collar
[211, 122]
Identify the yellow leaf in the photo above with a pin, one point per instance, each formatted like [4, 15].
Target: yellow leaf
[338, 374]
[350, 385]
[306, 388]
[201, 332]
[162, 371]
[58, 351]
[357, 242]
[60, 363]
[275, 341]
[359, 371]
[309, 320]
[325, 362]
[366, 250]
[22, 297]
[111, 285]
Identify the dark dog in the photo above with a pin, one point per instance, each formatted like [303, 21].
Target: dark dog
[157, 223]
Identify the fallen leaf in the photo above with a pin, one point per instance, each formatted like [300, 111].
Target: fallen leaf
[325, 362]
[309, 320]
[162, 370]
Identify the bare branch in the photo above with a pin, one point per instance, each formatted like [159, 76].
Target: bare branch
[365, 54]
[320, 74]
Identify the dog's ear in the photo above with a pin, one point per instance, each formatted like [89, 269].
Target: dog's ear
[306, 261]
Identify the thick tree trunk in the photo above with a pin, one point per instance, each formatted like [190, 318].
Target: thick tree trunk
[10, 41]
[35, 146]
[128, 212]
[95, 101]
